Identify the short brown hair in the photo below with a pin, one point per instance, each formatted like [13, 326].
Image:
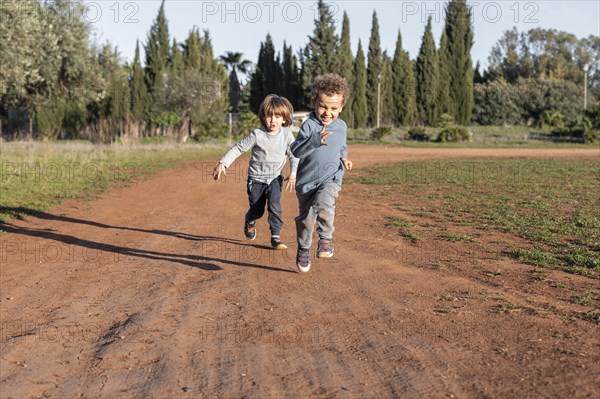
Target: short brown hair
[276, 105]
[329, 84]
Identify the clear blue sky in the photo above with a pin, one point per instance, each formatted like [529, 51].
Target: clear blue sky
[242, 25]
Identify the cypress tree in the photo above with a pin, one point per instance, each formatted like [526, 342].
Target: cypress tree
[387, 92]
[359, 103]
[457, 55]
[410, 115]
[344, 55]
[427, 78]
[374, 70]
[443, 103]
[139, 91]
[403, 85]
[176, 62]
[157, 48]
[266, 73]
[320, 55]
[289, 69]
[191, 50]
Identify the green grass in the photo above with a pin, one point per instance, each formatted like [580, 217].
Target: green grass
[403, 226]
[483, 137]
[38, 175]
[552, 204]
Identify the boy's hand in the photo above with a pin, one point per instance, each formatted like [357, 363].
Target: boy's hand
[291, 183]
[218, 170]
[324, 135]
[347, 163]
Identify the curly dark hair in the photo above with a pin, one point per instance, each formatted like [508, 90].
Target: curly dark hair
[329, 84]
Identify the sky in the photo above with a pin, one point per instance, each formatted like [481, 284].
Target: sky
[241, 25]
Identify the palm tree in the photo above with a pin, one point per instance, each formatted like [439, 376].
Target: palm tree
[233, 62]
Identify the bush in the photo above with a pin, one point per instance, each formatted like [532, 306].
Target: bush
[578, 129]
[593, 114]
[552, 119]
[381, 132]
[444, 121]
[418, 134]
[591, 136]
[456, 134]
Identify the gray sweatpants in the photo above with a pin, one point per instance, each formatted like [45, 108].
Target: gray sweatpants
[318, 206]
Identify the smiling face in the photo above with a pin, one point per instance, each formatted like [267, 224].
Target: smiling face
[273, 123]
[328, 107]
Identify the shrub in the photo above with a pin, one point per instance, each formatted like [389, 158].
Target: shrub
[455, 134]
[418, 134]
[381, 132]
[552, 119]
[593, 114]
[445, 120]
[591, 136]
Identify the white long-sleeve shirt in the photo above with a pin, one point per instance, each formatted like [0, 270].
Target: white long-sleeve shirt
[268, 154]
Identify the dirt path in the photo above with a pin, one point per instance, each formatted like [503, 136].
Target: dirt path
[151, 291]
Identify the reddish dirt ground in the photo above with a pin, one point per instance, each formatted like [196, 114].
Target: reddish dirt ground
[152, 291]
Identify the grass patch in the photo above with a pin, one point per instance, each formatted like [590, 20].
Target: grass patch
[403, 227]
[38, 175]
[550, 203]
[456, 238]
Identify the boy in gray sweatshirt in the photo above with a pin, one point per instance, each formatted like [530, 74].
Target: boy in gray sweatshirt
[321, 148]
[270, 145]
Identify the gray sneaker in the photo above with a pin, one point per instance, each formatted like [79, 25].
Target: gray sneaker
[325, 248]
[303, 260]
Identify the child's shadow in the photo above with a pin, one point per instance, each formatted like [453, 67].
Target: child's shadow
[202, 262]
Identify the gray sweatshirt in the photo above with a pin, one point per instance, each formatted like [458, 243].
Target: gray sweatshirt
[268, 154]
[319, 163]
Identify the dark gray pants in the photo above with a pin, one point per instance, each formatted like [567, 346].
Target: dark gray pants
[261, 194]
[318, 206]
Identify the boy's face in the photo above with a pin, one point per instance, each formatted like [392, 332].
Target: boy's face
[273, 123]
[328, 108]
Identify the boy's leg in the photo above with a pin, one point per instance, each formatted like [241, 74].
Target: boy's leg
[305, 221]
[257, 200]
[324, 208]
[273, 195]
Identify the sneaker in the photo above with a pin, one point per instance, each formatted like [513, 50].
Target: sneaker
[303, 260]
[276, 243]
[325, 248]
[250, 231]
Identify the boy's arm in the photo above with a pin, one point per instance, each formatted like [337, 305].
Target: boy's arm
[293, 160]
[344, 151]
[238, 149]
[308, 140]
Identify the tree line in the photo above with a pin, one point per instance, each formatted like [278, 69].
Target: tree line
[386, 89]
[56, 83]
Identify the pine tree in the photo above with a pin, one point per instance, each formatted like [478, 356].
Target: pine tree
[457, 56]
[139, 91]
[157, 48]
[359, 103]
[403, 85]
[374, 70]
[345, 63]
[427, 75]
